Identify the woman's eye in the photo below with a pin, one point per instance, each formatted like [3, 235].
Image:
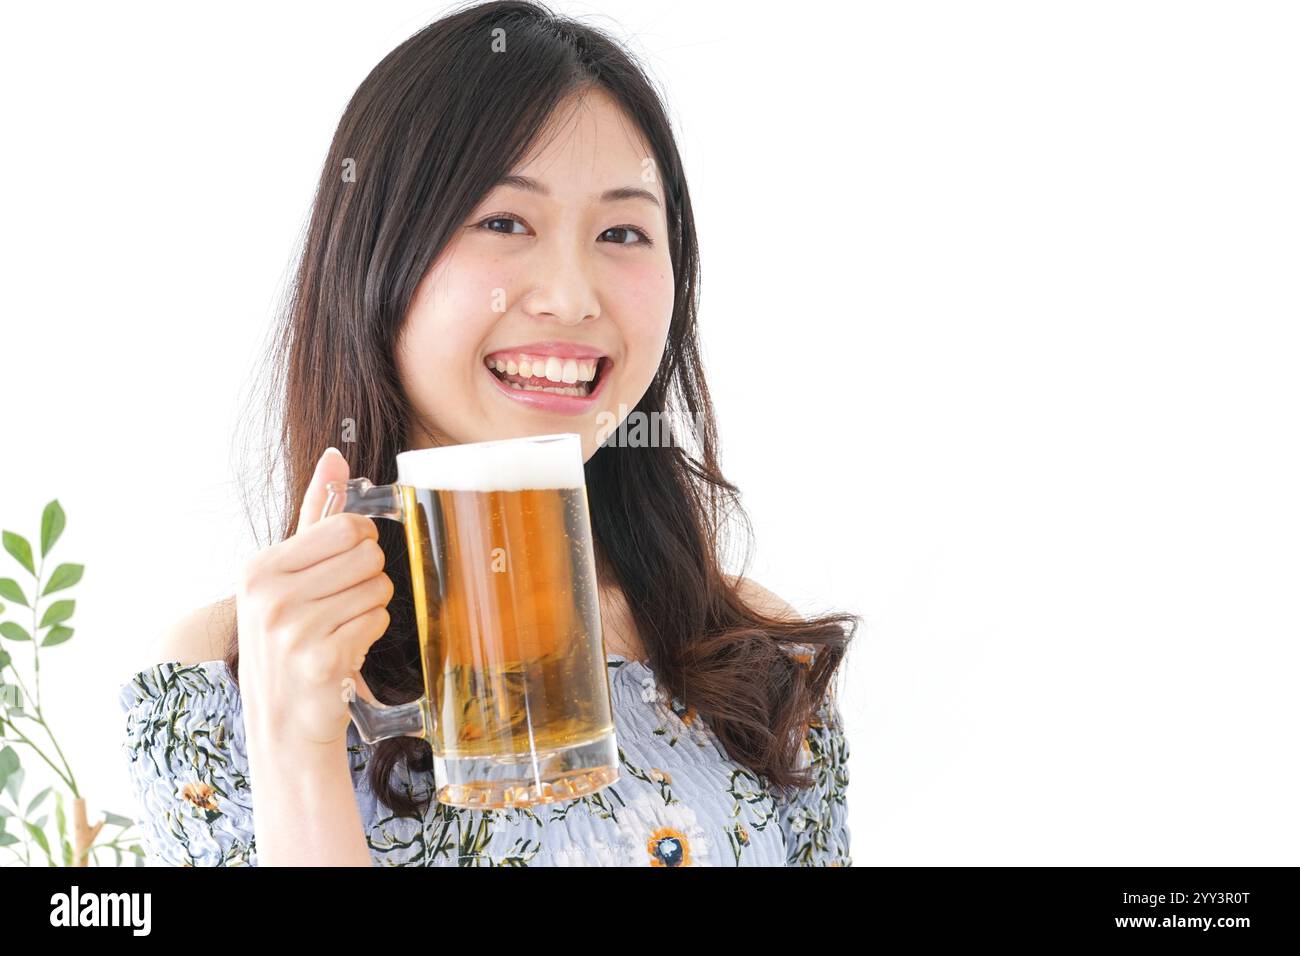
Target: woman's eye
[624, 230]
[487, 223]
[629, 229]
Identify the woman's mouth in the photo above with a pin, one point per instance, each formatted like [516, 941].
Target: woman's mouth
[548, 382]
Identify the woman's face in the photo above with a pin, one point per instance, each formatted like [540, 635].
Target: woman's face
[555, 284]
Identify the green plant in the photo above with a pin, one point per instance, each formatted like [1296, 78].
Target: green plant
[18, 724]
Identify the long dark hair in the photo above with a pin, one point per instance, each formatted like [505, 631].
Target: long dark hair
[430, 131]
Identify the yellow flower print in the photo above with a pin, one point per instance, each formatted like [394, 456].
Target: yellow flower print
[669, 847]
[198, 793]
[664, 834]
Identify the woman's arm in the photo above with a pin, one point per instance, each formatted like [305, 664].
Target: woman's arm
[305, 808]
[191, 765]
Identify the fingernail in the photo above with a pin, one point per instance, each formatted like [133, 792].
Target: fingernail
[331, 448]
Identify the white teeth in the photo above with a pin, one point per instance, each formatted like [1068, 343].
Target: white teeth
[565, 371]
[578, 390]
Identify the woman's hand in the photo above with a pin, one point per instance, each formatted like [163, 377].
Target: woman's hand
[309, 608]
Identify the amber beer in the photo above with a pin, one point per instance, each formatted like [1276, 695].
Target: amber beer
[517, 707]
[507, 644]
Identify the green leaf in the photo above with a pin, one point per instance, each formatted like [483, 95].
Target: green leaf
[64, 576]
[52, 522]
[11, 695]
[58, 612]
[59, 816]
[9, 762]
[4, 659]
[36, 800]
[7, 839]
[57, 635]
[39, 836]
[17, 545]
[9, 588]
[15, 632]
[117, 820]
[15, 784]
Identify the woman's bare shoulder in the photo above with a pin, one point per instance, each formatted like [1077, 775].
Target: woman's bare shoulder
[761, 599]
[201, 635]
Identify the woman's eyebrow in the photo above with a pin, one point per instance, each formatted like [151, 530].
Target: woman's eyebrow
[531, 185]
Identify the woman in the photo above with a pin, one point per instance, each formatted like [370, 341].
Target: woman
[502, 244]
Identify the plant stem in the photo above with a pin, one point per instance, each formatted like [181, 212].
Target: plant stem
[84, 835]
[69, 778]
[36, 648]
[72, 780]
[113, 842]
[32, 744]
[26, 693]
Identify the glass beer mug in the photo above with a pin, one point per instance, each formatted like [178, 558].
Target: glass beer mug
[517, 704]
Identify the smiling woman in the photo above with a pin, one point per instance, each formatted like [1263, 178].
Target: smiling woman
[584, 262]
[419, 321]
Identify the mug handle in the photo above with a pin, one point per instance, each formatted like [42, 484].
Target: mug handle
[376, 721]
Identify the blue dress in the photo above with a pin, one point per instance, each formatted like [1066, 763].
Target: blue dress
[678, 801]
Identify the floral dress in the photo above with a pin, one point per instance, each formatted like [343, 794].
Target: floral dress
[678, 800]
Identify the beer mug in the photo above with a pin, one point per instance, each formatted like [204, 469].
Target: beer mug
[516, 703]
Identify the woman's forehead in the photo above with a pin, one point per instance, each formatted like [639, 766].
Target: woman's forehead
[591, 149]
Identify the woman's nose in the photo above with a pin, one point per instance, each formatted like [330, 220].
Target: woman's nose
[563, 288]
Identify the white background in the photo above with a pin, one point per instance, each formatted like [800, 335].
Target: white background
[1031, 268]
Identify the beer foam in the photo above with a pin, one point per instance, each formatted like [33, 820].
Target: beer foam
[512, 464]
